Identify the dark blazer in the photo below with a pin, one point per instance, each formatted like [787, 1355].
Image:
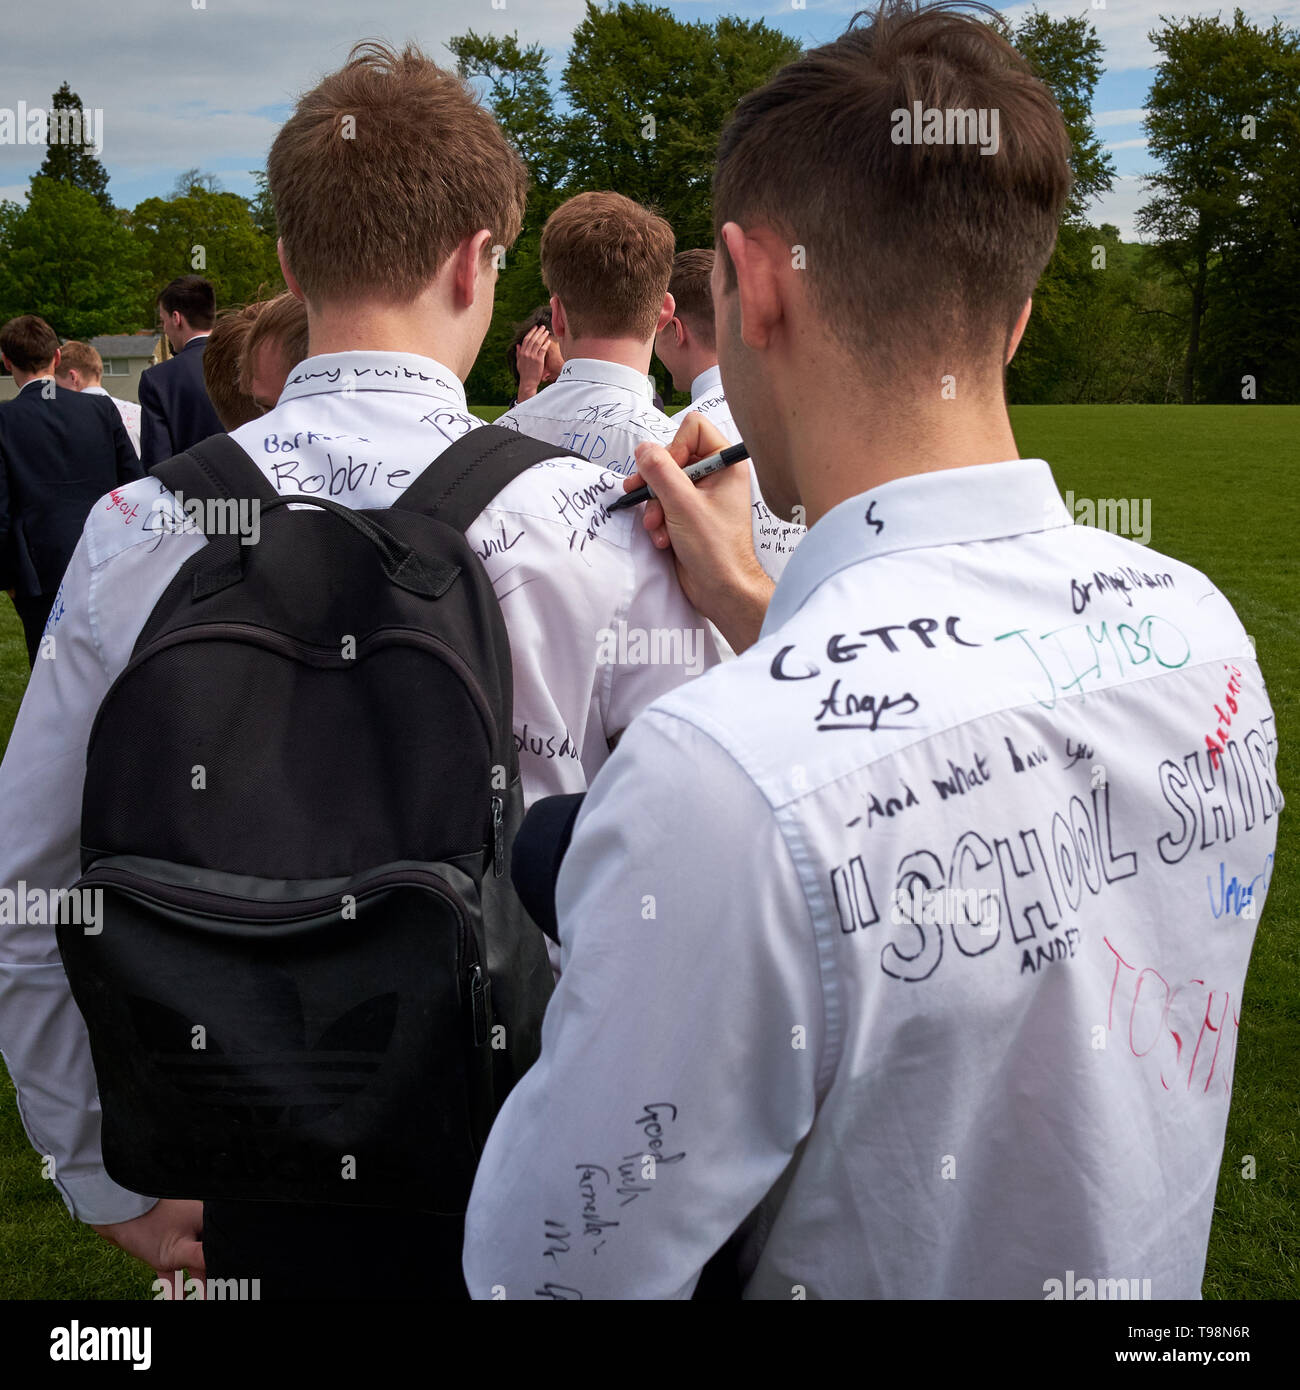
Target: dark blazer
[175, 411]
[58, 455]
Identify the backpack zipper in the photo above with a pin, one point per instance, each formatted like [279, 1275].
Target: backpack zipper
[205, 903]
[498, 837]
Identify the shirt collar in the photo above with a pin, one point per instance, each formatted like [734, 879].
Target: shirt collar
[708, 380]
[345, 372]
[982, 502]
[601, 373]
[93, 391]
[37, 381]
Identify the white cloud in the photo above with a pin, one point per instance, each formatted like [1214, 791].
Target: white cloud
[13, 193]
[1129, 116]
[1119, 207]
[1140, 143]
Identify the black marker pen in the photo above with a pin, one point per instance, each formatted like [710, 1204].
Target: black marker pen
[714, 463]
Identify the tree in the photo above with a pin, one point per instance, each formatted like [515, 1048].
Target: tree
[263, 207]
[648, 97]
[63, 257]
[1066, 55]
[195, 180]
[1221, 121]
[211, 234]
[68, 157]
[519, 95]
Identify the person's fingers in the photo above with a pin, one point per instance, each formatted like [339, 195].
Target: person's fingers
[696, 438]
[674, 492]
[188, 1254]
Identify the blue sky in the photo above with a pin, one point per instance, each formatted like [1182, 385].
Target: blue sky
[207, 82]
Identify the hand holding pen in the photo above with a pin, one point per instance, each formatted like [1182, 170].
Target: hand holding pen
[701, 468]
[708, 526]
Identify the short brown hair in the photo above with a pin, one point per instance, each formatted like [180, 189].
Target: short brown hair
[383, 170]
[692, 294]
[28, 342]
[80, 357]
[608, 260]
[221, 363]
[913, 251]
[283, 319]
[193, 298]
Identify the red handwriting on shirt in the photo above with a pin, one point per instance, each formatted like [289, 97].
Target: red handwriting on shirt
[116, 502]
[1218, 743]
[1153, 999]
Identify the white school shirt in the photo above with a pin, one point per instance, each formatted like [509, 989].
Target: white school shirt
[774, 539]
[358, 427]
[903, 1104]
[601, 410]
[128, 410]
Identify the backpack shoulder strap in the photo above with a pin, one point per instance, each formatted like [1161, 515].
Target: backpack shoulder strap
[215, 468]
[468, 474]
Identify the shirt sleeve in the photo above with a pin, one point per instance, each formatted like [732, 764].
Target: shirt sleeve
[678, 643]
[128, 459]
[42, 1034]
[679, 1051]
[155, 437]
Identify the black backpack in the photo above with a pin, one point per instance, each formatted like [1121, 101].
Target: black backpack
[312, 980]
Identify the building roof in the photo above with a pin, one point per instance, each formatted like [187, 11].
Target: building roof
[125, 344]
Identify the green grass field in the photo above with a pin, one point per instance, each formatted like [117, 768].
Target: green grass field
[1224, 484]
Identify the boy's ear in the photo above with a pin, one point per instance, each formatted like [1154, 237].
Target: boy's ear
[294, 287]
[472, 258]
[1018, 331]
[756, 257]
[559, 320]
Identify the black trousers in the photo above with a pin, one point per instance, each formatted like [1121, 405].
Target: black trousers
[33, 612]
[327, 1252]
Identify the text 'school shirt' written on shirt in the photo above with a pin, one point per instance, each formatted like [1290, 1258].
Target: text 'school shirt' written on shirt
[601, 410]
[579, 591]
[774, 539]
[944, 973]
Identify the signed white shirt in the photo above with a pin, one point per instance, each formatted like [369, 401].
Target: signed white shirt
[358, 427]
[1010, 1093]
[128, 410]
[601, 410]
[774, 539]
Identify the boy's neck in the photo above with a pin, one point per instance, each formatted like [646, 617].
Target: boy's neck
[627, 352]
[415, 328]
[835, 458]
